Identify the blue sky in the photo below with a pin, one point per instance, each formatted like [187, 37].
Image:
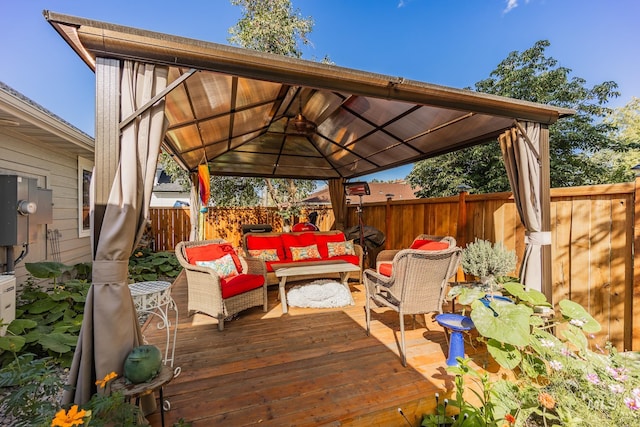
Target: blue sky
[452, 43]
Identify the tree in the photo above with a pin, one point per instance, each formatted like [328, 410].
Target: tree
[229, 191]
[274, 26]
[269, 26]
[626, 121]
[574, 141]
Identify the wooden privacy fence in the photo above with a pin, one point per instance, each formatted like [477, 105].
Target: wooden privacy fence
[592, 240]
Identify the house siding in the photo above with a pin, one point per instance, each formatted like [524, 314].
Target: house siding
[55, 170]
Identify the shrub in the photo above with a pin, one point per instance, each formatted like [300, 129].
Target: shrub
[483, 259]
[146, 265]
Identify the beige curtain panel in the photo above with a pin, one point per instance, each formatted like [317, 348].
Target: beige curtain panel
[338, 203]
[110, 328]
[520, 149]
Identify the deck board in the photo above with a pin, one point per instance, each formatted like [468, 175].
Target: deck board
[310, 367]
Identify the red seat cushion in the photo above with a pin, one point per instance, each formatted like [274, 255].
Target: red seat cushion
[212, 252]
[266, 242]
[298, 241]
[385, 269]
[240, 284]
[429, 245]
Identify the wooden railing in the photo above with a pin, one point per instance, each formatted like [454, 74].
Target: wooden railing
[592, 240]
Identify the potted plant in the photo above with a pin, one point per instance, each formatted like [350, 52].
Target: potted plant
[487, 262]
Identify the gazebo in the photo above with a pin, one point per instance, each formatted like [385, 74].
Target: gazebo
[247, 113]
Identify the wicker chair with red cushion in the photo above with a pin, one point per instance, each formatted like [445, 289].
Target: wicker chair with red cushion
[425, 242]
[220, 282]
[417, 285]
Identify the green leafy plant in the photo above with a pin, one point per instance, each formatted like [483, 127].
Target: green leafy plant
[481, 258]
[146, 265]
[33, 382]
[47, 323]
[554, 376]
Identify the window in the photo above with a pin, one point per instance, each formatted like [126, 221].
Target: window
[85, 170]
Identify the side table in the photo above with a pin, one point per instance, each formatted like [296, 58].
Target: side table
[136, 391]
[154, 298]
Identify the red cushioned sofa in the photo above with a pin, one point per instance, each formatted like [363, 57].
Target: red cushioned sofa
[300, 248]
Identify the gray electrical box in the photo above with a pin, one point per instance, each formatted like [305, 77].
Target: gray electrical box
[23, 206]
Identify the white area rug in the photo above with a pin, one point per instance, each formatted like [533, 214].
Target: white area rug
[319, 294]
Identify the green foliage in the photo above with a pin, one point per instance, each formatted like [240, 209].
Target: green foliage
[271, 26]
[146, 265]
[47, 324]
[468, 414]
[574, 141]
[554, 379]
[483, 259]
[33, 382]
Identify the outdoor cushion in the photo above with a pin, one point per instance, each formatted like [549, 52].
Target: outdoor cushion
[224, 267]
[323, 239]
[385, 269]
[419, 244]
[305, 252]
[429, 245]
[266, 242]
[296, 240]
[212, 252]
[265, 254]
[340, 248]
[239, 284]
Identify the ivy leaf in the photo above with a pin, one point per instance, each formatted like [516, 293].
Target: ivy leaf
[533, 366]
[12, 343]
[46, 269]
[575, 311]
[532, 296]
[506, 355]
[56, 342]
[510, 326]
[40, 306]
[575, 336]
[18, 326]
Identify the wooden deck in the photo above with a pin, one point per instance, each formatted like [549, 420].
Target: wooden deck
[310, 367]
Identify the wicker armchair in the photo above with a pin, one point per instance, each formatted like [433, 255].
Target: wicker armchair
[386, 256]
[204, 286]
[417, 285]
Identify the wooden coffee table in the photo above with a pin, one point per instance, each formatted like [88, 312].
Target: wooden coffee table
[315, 269]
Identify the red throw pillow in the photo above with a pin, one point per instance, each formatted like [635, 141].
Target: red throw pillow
[429, 245]
[297, 240]
[212, 252]
[323, 239]
[266, 242]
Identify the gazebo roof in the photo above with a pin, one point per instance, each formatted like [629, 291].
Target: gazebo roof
[241, 109]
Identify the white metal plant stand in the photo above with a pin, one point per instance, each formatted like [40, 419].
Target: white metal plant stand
[154, 298]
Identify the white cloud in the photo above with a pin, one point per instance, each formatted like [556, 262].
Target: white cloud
[401, 3]
[511, 4]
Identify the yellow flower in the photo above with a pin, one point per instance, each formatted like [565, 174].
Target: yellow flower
[547, 400]
[103, 382]
[69, 419]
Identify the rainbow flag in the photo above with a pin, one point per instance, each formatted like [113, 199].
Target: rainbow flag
[204, 180]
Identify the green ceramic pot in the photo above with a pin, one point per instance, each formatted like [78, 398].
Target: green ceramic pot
[142, 364]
